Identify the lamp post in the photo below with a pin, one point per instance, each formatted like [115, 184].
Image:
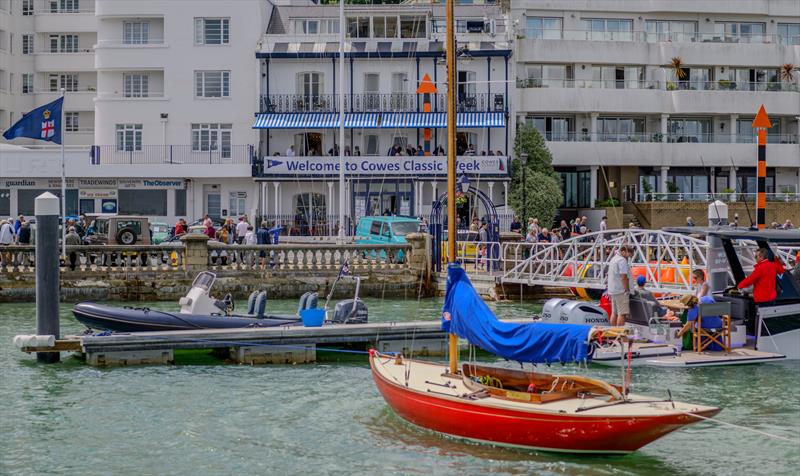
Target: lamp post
[523, 160]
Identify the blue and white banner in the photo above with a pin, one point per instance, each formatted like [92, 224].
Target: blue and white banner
[399, 165]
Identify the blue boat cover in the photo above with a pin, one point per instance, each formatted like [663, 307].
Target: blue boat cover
[536, 342]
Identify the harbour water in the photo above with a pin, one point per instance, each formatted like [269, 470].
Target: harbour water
[328, 418]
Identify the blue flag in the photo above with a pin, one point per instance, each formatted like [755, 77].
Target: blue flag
[43, 123]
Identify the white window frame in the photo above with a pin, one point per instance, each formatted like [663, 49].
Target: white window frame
[136, 85]
[27, 7]
[64, 43]
[202, 80]
[201, 33]
[27, 83]
[71, 122]
[129, 137]
[28, 43]
[237, 203]
[135, 32]
[207, 137]
[66, 81]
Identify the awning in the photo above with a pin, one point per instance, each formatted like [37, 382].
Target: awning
[323, 120]
[438, 120]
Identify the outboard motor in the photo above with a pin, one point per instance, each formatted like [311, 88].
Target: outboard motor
[551, 312]
[581, 312]
[301, 304]
[350, 311]
[312, 301]
[260, 304]
[251, 302]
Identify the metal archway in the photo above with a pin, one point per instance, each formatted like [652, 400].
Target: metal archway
[438, 222]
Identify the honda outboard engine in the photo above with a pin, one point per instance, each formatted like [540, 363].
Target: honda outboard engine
[581, 312]
[551, 312]
[350, 311]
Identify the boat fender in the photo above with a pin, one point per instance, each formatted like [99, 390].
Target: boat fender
[21, 341]
[260, 305]
[251, 302]
[312, 301]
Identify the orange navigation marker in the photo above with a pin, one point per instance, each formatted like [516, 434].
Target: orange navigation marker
[426, 88]
[761, 123]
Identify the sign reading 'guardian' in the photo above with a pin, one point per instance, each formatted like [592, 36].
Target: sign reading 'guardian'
[399, 165]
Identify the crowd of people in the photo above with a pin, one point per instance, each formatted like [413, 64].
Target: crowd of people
[536, 233]
[395, 150]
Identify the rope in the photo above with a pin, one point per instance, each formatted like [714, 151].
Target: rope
[753, 430]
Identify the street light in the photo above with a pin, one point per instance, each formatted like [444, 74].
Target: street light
[523, 159]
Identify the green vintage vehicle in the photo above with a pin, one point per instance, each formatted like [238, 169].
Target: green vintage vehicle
[160, 232]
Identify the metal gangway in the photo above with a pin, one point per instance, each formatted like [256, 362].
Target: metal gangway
[665, 259]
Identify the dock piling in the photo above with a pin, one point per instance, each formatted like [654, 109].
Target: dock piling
[47, 272]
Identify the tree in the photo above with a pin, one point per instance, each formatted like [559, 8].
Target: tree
[542, 187]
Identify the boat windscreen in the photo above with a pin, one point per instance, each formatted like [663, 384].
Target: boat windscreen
[204, 281]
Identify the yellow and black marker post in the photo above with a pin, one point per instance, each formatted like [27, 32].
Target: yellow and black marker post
[761, 124]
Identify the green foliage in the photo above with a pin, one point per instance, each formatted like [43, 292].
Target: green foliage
[540, 195]
[672, 187]
[646, 188]
[607, 203]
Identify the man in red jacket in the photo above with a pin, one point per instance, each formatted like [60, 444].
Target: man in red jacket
[763, 277]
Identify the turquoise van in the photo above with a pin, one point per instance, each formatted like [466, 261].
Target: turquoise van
[380, 230]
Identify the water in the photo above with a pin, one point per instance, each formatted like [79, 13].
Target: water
[328, 418]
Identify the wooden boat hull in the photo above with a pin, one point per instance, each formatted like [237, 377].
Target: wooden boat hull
[490, 420]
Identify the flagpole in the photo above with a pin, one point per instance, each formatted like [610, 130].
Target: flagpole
[63, 186]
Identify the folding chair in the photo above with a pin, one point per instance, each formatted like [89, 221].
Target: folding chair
[722, 335]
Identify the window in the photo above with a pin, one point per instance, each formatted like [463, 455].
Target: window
[412, 27]
[313, 27]
[552, 128]
[212, 84]
[617, 77]
[544, 28]
[212, 31]
[237, 204]
[689, 130]
[27, 197]
[608, 29]
[620, 129]
[740, 32]
[309, 86]
[64, 6]
[71, 122]
[372, 99]
[358, 27]
[142, 202]
[135, 32]
[129, 137]
[212, 137]
[63, 43]
[789, 33]
[384, 27]
[5, 202]
[27, 83]
[698, 79]
[180, 202]
[746, 134]
[136, 85]
[371, 144]
[27, 7]
[27, 44]
[549, 75]
[669, 30]
[67, 82]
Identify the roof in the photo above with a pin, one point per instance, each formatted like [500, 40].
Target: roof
[773, 236]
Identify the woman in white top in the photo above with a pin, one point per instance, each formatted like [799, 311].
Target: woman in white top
[702, 286]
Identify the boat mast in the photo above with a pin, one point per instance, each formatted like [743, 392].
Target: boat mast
[450, 52]
[342, 199]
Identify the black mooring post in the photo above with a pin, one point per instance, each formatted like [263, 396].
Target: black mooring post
[47, 271]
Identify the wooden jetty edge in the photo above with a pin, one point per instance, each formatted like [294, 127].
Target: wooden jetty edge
[256, 345]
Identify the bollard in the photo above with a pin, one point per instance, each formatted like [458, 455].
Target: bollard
[47, 271]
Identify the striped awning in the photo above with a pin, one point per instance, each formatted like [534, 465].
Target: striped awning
[322, 120]
[438, 120]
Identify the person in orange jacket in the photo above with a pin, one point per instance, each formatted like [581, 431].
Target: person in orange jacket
[763, 277]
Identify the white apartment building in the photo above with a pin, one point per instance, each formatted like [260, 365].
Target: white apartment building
[186, 108]
[599, 79]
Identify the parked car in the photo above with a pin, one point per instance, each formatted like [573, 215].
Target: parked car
[119, 230]
[466, 246]
[160, 232]
[380, 230]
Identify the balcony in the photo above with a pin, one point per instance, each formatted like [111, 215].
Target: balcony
[173, 155]
[81, 60]
[83, 20]
[117, 96]
[402, 102]
[648, 37]
[116, 54]
[80, 100]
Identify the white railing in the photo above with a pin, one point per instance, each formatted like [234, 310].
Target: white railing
[709, 197]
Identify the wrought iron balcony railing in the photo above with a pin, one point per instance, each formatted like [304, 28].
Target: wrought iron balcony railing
[376, 102]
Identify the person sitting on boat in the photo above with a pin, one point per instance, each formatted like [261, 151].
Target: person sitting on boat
[764, 277]
[645, 295]
[708, 322]
[702, 286]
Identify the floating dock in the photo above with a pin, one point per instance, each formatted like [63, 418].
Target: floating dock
[256, 345]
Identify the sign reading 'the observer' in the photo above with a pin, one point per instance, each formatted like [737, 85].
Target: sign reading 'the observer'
[399, 165]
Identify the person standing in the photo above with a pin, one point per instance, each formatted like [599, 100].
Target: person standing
[619, 286]
[290, 151]
[241, 230]
[764, 277]
[604, 224]
[262, 238]
[6, 239]
[516, 226]
[21, 220]
[24, 235]
[73, 239]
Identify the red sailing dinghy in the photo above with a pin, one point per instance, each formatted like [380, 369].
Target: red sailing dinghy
[564, 413]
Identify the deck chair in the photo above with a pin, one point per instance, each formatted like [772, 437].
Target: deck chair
[703, 338]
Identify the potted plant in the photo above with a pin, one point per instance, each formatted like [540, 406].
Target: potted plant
[787, 72]
[647, 189]
[725, 84]
[671, 86]
[680, 69]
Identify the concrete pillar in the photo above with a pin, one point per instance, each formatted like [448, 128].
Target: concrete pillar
[420, 251]
[732, 182]
[330, 207]
[46, 209]
[664, 179]
[733, 133]
[433, 191]
[593, 185]
[664, 128]
[505, 195]
[593, 125]
[490, 185]
[196, 254]
[277, 186]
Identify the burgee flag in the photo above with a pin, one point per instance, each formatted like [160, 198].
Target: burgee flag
[43, 123]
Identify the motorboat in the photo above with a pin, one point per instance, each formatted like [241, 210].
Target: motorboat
[199, 310]
[497, 405]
